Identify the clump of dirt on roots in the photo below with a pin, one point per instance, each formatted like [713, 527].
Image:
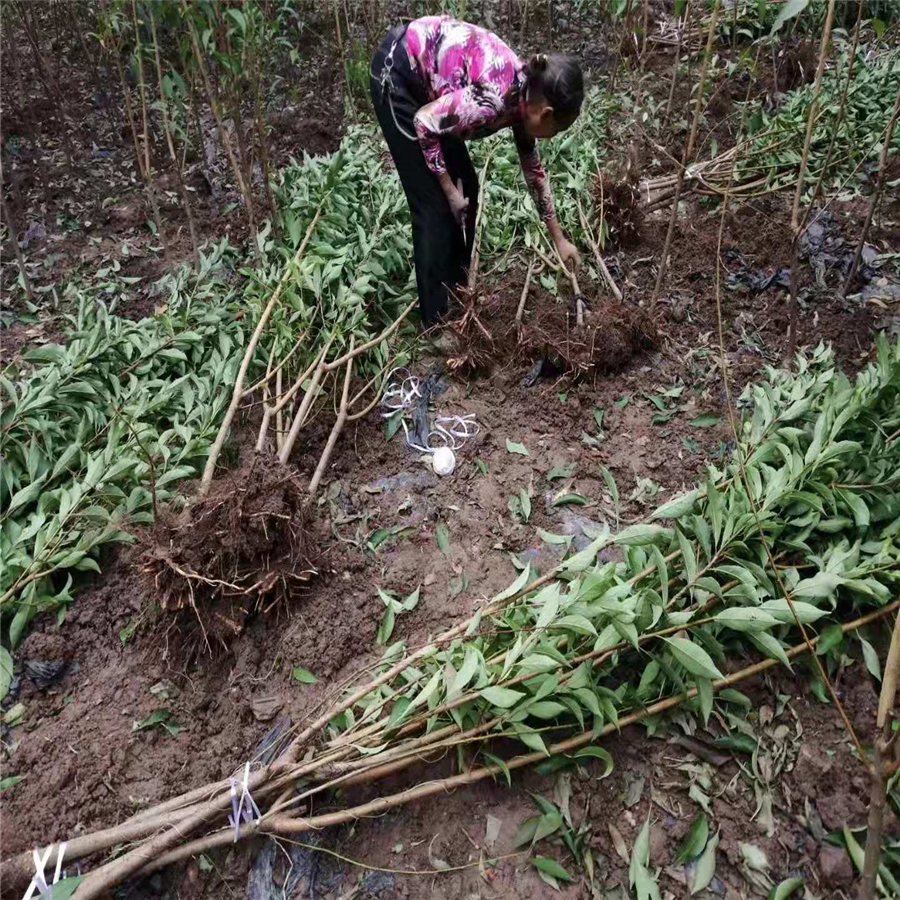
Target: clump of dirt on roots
[245, 548]
[488, 338]
[618, 204]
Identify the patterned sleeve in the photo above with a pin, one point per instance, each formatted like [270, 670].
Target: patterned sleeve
[457, 114]
[535, 176]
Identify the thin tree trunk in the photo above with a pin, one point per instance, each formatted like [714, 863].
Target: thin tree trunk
[185, 199]
[233, 99]
[262, 137]
[841, 107]
[195, 115]
[677, 65]
[102, 98]
[12, 225]
[51, 89]
[688, 155]
[879, 186]
[217, 113]
[644, 26]
[148, 168]
[796, 227]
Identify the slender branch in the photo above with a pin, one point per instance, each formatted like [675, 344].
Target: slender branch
[873, 203]
[216, 449]
[217, 113]
[185, 199]
[879, 772]
[601, 264]
[291, 825]
[796, 227]
[688, 155]
[520, 311]
[336, 429]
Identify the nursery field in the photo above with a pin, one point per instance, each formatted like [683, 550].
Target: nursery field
[641, 641]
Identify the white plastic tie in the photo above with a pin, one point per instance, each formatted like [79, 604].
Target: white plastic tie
[39, 882]
[243, 807]
[448, 431]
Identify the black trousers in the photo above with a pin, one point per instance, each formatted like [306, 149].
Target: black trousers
[442, 255]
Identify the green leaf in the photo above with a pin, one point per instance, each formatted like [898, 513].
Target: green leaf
[584, 558]
[386, 626]
[501, 765]
[830, 638]
[525, 504]
[513, 447]
[10, 782]
[526, 832]
[790, 9]
[570, 500]
[6, 672]
[549, 538]
[695, 840]
[641, 535]
[515, 587]
[742, 618]
[785, 888]
[638, 874]
[545, 709]
[677, 506]
[560, 473]
[822, 585]
[304, 676]
[443, 538]
[693, 657]
[501, 697]
[873, 664]
[705, 869]
[771, 646]
[531, 739]
[549, 824]
[705, 421]
[550, 867]
[613, 489]
[66, 887]
[783, 611]
[596, 753]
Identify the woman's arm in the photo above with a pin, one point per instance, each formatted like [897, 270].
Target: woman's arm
[539, 184]
[453, 114]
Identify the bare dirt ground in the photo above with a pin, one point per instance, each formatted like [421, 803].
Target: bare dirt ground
[86, 766]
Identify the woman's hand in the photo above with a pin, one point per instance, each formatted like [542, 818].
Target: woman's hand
[459, 203]
[568, 253]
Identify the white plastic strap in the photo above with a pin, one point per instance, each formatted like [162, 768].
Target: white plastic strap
[242, 809]
[39, 882]
[399, 397]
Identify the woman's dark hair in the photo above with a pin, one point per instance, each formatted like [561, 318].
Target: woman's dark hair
[557, 80]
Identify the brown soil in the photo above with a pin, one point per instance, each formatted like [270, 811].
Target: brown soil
[488, 338]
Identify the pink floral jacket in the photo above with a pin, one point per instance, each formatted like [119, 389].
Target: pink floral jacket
[476, 85]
